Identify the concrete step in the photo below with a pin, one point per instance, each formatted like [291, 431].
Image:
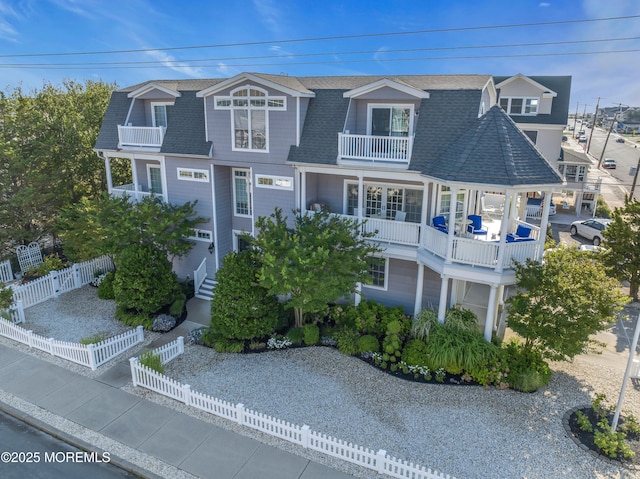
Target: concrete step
[206, 290]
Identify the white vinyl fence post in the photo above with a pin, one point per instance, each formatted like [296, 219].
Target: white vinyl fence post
[140, 331]
[181, 344]
[55, 283]
[92, 356]
[77, 281]
[240, 413]
[186, 389]
[50, 343]
[133, 362]
[30, 336]
[381, 459]
[304, 436]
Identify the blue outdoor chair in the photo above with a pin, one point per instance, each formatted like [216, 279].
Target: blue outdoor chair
[440, 223]
[476, 228]
[522, 234]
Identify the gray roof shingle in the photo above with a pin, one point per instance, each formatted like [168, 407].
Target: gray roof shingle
[115, 115]
[186, 134]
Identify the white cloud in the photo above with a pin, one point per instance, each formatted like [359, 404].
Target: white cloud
[544, 4]
[173, 64]
[269, 14]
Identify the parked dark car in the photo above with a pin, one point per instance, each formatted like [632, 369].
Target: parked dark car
[564, 138]
[620, 140]
[582, 139]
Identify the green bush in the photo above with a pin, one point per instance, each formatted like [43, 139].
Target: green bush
[602, 209]
[311, 334]
[368, 342]
[241, 309]
[133, 318]
[50, 263]
[527, 369]
[178, 305]
[368, 317]
[457, 350]
[95, 339]
[460, 318]
[105, 288]
[347, 340]
[152, 361]
[295, 335]
[392, 343]
[415, 353]
[223, 345]
[423, 322]
[144, 280]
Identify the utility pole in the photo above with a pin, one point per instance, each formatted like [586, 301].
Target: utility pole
[615, 117]
[593, 125]
[575, 119]
[635, 178]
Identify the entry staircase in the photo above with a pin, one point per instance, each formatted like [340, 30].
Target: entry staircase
[206, 289]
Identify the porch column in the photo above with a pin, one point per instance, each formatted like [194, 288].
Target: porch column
[419, 286]
[134, 176]
[491, 312]
[452, 223]
[360, 197]
[442, 305]
[544, 221]
[163, 179]
[297, 187]
[357, 296]
[303, 191]
[214, 217]
[423, 214]
[107, 167]
[509, 205]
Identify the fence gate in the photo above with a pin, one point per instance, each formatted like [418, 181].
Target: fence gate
[29, 256]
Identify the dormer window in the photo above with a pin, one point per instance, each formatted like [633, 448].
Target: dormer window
[520, 106]
[250, 108]
[390, 120]
[159, 114]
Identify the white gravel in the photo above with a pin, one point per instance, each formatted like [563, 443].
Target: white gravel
[466, 431]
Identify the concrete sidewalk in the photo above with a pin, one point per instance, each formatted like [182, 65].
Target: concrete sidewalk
[157, 437]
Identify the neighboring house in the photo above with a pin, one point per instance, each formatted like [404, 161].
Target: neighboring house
[579, 190]
[412, 155]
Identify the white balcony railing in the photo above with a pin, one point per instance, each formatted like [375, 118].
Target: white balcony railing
[141, 136]
[130, 191]
[388, 231]
[376, 149]
[479, 252]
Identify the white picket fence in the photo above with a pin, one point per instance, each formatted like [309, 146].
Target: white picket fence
[90, 355]
[6, 273]
[378, 461]
[58, 282]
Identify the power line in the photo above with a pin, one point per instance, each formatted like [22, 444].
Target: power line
[319, 39]
[182, 64]
[297, 55]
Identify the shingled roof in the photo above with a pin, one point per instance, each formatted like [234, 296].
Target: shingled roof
[493, 150]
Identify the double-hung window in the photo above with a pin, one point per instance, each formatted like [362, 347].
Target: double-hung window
[519, 106]
[242, 192]
[250, 108]
[159, 114]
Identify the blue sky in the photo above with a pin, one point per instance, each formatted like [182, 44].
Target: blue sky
[73, 26]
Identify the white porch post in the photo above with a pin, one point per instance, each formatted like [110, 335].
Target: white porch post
[544, 222]
[507, 215]
[297, 186]
[134, 176]
[434, 199]
[163, 179]
[214, 217]
[360, 198]
[452, 223]
[423, 214]
[491, 312]
[442, 305]
[357, 297]
[107, 166]
[419, 286]
[303, 191]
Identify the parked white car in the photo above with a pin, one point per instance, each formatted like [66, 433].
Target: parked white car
[590, 229]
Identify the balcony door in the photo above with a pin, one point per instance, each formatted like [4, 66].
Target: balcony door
[389, 120]
[154, 177]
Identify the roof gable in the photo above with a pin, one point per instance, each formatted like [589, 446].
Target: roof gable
[532, 82]
[292, 87]
[146, 88]
[385, 82]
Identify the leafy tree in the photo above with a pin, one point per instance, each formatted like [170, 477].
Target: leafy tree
[241, 308]
[46, 155]
[561, 303]
[144, 279]
[319, 260]
[622, 243]
[6, 297]
[107, 225]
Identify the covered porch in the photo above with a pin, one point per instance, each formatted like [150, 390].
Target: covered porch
[136, 176]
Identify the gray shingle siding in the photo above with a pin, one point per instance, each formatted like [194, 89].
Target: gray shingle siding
[115, 115]
[185, 127]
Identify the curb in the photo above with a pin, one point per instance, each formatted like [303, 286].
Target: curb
[75, 442]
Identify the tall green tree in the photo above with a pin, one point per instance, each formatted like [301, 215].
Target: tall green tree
[561, 303]
[318, 260]
[108, 225]
[622, 245]
[46, 154]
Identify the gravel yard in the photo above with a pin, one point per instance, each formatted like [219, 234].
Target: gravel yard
[466, 431]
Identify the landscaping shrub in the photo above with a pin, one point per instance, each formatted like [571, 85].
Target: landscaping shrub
[368, 342]
[95, 339]
[457, 350]
[152, 361]
[460, 318]
[133, 318]
[527, 369]
[223, 345]
[144, 280]
[178, 305]
[423, 322]
[311, 334]
[295, 335]
[392, 344]
[368, 317]
[50, 263]
[241, 309]
[347, 340]
[105, 288]
[415, 353]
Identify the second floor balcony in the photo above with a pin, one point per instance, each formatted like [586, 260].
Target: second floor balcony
[140, 136]
[375, 150]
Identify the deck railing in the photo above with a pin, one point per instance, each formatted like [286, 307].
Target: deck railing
[130, 191]
[142, 136]
[381, 149]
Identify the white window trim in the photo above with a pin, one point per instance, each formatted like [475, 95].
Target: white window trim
[275, 179]
[524, 104]
[386, 278]
[235, 234]
[149, 166]
[196, 232]
[249, 190]
[266, 108]
[153, 110]
[192, 177]
[347, 183]
[371, 106]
